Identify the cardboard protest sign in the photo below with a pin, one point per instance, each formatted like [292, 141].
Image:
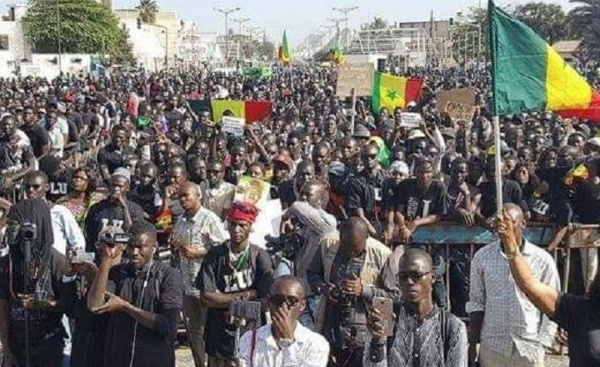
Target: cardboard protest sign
[233, 125]
[458, 103]
[357, 76]
[410, 120]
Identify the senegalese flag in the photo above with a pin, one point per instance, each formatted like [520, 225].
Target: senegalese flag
[394, 91]
[284, 52]
[530, 76]
[579, 172]
[249, 110]
[384, 153]
[337, 56]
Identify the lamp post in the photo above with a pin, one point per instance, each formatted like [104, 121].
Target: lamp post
[337, 27]
[346, 11]
[226, 13]
[240, 21]
[59, 31]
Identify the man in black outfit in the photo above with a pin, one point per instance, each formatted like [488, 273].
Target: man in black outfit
[143, 298]
[234, 270]
[147, 194]
[31, 329]
[114, 211]
[38, 136]
[113, 155]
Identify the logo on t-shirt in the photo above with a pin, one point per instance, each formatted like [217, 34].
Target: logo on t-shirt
[239, 281]
[413, 207]
[111, 223]
[58, 188]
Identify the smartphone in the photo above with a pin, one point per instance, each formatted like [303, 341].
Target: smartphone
[386, 309]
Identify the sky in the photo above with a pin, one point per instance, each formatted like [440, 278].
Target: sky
[302, 17]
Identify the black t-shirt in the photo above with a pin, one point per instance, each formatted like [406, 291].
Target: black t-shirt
[580, 317]
[107, 214]
[415, 203]
[286, 193]
[77, 119]
[216, 275]
[111, 158]
[366, 191]
[59, 186]
[38, 136]
[511, 193]
[12, 157]
[43, 324]
[162, 294]
[586, 202]
[146, 200]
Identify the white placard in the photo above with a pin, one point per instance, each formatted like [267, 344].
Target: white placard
[233, 125]
[410, 120]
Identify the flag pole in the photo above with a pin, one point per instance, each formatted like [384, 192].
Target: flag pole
[497, 163]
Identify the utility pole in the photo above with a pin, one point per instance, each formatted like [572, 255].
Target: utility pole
[240, 21]
[59, 30]
[337, 27]
[346, 11]
[226, 13]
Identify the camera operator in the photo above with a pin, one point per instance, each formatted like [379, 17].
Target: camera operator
[114, 211]
[295, 344]
[143, 299]
[314, 224]
[89, 328]
[346, 271]
[31, 330]
[235, 270]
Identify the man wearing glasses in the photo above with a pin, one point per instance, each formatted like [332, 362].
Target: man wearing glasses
[285, 342]
[424, 335]
[218, 195]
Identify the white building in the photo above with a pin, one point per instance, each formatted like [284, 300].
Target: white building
[196, 47]
[154, 45]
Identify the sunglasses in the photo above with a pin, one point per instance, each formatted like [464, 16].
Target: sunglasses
[279, 300]
[370, 156]
[415, 276]
[34, 186]
[216, 171]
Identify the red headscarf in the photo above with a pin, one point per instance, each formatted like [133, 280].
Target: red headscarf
[242, 212]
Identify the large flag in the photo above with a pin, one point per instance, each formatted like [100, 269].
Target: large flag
[249, 110]
[284, 51]
[529, 75]
[337, 56]
[393, 91]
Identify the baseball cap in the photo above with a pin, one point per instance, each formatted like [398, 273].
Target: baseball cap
[399, 166]
[361, 131]
[122, 172]
[337, 169]
[416, 134]
[285, 159]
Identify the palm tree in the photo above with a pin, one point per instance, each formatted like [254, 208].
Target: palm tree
[584, 20]
[148, 10]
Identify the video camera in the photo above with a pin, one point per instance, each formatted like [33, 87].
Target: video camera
[111, 239]
[18, 233]
[286, 245]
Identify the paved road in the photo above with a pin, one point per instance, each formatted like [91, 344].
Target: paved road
[184, 359]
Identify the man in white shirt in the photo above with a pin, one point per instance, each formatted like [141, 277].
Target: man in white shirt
[285, 342]
[510, 330]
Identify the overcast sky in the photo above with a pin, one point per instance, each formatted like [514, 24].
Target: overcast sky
[301, 17]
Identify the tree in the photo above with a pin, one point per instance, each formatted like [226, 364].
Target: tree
[148, 10]
[82, 26]
[470, 36]
[584, 20]
[123, 54]
[547, 20]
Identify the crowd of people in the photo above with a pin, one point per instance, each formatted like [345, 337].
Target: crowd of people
[122, 224]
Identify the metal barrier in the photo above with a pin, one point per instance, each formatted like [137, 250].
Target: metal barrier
[580, 237]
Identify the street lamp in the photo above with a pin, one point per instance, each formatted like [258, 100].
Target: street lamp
[346, 11]
[226, 12]
[337, 26]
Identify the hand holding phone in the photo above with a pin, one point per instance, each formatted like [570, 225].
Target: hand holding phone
[384, 317]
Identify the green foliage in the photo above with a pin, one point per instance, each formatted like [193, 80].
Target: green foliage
[83, 26]
[466, 34]
[546, 19]
[148, 10]
[585, 23]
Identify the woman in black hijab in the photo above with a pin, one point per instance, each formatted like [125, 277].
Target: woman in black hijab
[29, 290]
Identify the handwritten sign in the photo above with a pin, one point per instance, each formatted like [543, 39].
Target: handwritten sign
[410, 120]
[357, 76]
[459, 104]
[233, 125]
